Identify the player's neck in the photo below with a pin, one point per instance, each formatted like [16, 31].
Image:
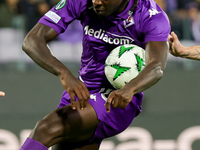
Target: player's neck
[123, 6]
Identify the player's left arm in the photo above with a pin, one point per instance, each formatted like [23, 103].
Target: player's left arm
[155, 24]
[156, 59]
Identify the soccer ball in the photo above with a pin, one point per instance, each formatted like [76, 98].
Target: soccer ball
[123, 64]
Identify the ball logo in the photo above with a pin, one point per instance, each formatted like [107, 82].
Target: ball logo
[140, 62]
[119, 70]
[123, 49]
[60, 5]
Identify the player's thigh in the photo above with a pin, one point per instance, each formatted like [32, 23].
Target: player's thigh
[80, 124]
[67, 124]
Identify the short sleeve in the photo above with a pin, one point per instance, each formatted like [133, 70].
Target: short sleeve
[155, 24]
[62, 14]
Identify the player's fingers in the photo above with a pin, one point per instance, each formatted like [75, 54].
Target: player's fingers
[109, 102]
[72, 100]
[79, 95]
[124, 104]
[86, 96]
[121, 104]
[81, 102]
[83, 97]
[82, 105]
[115, 103]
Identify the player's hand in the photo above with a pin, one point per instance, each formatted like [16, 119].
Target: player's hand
[2, 93]
[119, 99]
[75, 87]
[175, 45]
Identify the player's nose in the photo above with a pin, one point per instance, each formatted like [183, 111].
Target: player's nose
[97, 2]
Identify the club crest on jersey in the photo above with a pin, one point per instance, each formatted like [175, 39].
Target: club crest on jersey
[129, 21]
[60, 5]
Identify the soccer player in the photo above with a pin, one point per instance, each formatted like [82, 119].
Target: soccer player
[178, 50]
[91, 109]
[2, 93]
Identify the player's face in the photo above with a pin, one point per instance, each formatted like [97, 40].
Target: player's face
[107, 7]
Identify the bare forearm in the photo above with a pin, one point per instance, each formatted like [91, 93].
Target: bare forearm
[35, 45]
[191, 52]
[156, 59]
[149, 76]
[40, 54]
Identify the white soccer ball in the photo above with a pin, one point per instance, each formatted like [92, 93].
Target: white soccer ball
[123, 64]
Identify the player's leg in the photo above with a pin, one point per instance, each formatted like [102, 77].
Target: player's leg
[64, 124]
[82, 126]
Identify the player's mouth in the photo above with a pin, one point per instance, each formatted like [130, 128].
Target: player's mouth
[99, 11]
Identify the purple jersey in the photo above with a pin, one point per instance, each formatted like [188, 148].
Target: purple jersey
[146, 23]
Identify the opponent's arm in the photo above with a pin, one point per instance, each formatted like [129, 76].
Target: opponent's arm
[35, 45]
[178, 50]
[2, 93]
[156, 58]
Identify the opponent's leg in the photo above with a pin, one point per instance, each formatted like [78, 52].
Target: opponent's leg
[64, 124]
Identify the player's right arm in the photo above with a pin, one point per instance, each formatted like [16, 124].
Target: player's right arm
[35, 46]
[178, 50]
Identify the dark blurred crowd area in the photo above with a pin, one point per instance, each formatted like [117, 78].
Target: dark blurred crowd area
[184, 15]
[23, 14]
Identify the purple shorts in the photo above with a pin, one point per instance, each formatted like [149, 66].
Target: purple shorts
[110, 123]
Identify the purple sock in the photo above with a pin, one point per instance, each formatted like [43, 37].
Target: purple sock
[31, 144]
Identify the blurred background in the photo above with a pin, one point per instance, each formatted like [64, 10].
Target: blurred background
[171, 108]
